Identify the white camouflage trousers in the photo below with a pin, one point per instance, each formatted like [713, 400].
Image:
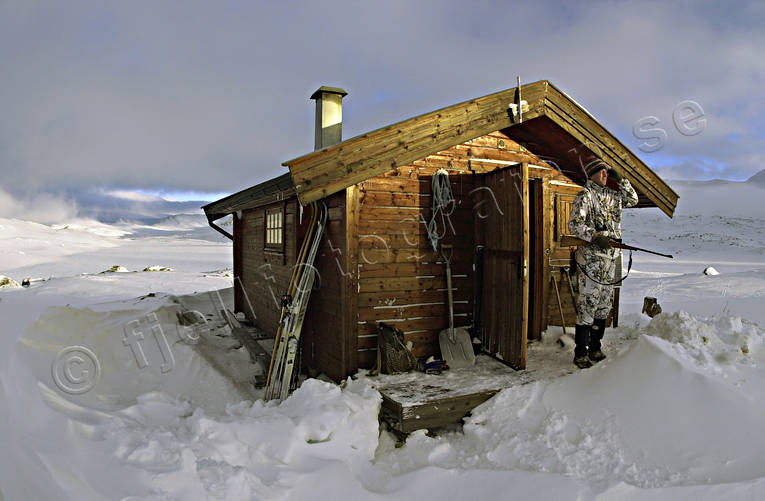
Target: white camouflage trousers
[595, 299]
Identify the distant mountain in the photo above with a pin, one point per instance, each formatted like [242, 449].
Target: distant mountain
[720, 198]
[111, 207]
[180, 221]
[701, 184]
[758, 178]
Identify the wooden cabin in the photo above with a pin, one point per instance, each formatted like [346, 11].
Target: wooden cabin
[514, 161]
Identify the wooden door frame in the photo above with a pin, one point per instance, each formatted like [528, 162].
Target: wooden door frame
[526, 251]
[521, 255]
[537, 259]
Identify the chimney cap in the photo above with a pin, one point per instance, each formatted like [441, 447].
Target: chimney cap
[329, 90]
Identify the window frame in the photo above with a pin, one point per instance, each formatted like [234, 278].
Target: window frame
[271, 228]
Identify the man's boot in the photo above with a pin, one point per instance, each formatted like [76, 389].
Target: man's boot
[596, 335]
[582, 338]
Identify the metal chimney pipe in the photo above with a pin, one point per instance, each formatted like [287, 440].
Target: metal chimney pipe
[329, 116]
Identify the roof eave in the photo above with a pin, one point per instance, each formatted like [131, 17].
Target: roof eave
[270, 191]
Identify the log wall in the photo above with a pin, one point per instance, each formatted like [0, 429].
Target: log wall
[401, 280]
[325, 344]
[376, 263]
[261, 277]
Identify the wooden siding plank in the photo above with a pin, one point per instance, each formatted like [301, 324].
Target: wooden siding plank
[350, 290]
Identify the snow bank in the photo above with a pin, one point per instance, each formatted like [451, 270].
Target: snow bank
[139, 346]
[714, 344]
[313, 442]
[680, 406]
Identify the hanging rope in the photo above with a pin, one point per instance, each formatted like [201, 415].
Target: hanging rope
[442, 199]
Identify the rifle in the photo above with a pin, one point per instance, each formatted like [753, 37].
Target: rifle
[569, 240]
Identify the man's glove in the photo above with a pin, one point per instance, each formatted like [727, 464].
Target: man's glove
[602, 241]
[615, 174]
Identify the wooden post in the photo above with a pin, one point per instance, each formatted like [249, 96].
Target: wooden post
[560, 305]
[525, 257]
[350, 281]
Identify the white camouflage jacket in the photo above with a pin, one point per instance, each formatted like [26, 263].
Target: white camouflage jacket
[597, 210]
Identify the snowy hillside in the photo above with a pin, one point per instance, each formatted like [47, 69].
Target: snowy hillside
[673, 412]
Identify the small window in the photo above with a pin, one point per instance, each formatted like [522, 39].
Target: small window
[275, 229]
[563, 204]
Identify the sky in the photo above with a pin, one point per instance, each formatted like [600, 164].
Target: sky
[201, 99]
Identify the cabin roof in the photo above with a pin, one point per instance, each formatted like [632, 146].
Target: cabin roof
[273, 190]
[554, 127]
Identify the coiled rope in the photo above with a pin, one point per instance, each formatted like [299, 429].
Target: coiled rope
[442, 199]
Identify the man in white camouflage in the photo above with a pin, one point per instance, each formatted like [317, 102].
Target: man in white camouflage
[596, 216]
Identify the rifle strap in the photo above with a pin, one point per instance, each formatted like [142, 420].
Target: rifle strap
[629, 267]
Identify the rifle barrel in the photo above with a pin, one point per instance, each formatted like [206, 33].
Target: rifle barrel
[569, 240]
[630, 247]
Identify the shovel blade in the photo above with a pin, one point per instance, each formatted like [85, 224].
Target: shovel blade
[456, 350]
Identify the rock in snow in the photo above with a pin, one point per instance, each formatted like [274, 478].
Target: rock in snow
[157, 268]
[116, 269]
[8, 282]
[709, 270]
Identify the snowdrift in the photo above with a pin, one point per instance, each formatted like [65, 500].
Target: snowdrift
[140, 346]
[680, 406]
[676, 410]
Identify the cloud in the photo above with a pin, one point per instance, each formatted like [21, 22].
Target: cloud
[132, 195]
[209, 97]
[41, 208]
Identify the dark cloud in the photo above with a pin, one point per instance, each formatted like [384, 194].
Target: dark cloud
[211, 96]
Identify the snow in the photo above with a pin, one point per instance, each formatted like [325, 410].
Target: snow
[674, 412]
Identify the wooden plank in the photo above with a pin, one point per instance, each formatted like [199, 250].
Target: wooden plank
[367, 359]
[404, 284]
[421, 182]
[420, 244]
[547, 218]
[383, 227]
[408, 215]
[413, 269]
[375, 256]
[417, 324]
[526, 254]
[350, 289]
[396, 184]
[440, 412]
[388, 298]
[393, 199]
[412, 216]
[537, 256]
[424, 343]
[383, 313]
[238, 248]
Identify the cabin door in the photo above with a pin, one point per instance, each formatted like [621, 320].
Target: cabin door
[504, 217]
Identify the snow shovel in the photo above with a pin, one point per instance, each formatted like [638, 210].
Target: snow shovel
[456, 346]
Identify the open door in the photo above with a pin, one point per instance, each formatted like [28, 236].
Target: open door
[504, 219]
